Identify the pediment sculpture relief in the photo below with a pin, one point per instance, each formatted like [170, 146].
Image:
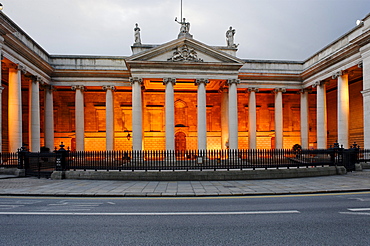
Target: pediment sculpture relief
[184, 54]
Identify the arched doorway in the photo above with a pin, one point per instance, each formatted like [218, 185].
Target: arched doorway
[180, 141]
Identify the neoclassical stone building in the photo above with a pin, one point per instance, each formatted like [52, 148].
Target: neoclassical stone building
[183, 94]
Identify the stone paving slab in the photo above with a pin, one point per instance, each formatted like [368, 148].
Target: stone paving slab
[30, 186]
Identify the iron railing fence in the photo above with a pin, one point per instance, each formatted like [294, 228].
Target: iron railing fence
[46, 163]
[8, 159]
[364, 155]
[199, 159]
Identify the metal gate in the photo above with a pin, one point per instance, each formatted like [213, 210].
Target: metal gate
[39, 164]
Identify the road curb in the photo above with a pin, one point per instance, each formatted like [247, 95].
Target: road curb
[183, 195]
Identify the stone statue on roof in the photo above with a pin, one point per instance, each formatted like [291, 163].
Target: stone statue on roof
[137, 34]
[230, 38]
[184, 29]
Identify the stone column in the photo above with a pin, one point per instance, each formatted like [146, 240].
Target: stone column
[49, 117]
[170, 112]
[1, 117]
[202, 114]
[321, 117]
[1, 101]
[224, 118]
[109, 116]
[365, 54]
[233, 113]
[304, 119]
[34, 114]
[79, 117]
[15, 108]
[137, 122]
[279, 118]
[343, 108]
[252, 118]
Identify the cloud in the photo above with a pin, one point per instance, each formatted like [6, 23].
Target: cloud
[265, 29]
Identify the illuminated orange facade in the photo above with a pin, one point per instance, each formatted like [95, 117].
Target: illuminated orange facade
[152, 101]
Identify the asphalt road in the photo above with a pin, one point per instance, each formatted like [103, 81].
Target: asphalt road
[327, 219]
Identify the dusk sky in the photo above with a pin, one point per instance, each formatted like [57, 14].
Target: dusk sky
[265, 29]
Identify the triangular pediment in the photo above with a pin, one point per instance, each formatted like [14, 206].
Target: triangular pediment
[184, 50]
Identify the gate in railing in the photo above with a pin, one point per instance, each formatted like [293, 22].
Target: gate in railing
[40, 164]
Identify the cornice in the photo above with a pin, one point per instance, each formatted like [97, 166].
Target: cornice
[91, 73]
[14, 47]
[330, 60]
[270, 76]
[183, 65]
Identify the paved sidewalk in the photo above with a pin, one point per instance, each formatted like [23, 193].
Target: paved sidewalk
[355, 181]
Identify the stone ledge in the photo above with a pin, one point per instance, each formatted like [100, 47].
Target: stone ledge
[13, 171]
[200, 175]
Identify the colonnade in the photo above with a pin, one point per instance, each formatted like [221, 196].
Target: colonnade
[342, 110]
[229, 113]
[170, 113]
[15, 110]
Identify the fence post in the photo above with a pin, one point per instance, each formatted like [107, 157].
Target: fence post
[22, 162]
[61, 158]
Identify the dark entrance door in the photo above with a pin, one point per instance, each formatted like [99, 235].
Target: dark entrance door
[180, 141]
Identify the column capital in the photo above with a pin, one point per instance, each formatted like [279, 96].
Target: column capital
[320, 83]
[108, 87]
[279, 90]
[169, 80]
[36, 79]
[136, 79]
[339, 73]
[199, 81]
[22, 68]
[18, 67]
[254, 89]
[48, 87]
[78, 87]
[231, 81]
[304, 90]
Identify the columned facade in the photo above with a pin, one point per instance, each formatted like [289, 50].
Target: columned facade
[183, 95]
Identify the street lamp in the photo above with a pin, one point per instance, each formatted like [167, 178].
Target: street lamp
[1, 6]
